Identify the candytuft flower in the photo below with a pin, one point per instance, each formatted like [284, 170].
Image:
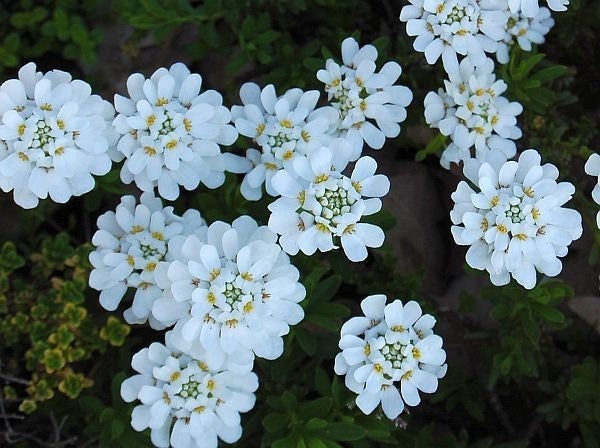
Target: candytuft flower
[369, 104]
[592, 167]
[530, 8]
[390, 344]
[185, 401]
[170, 133]
[131, 243]
[513, 219]
[282, 127]
[524, 31]
[233, 292]
[447, 28]
[323, 207]
[54, 134]
[473, 112]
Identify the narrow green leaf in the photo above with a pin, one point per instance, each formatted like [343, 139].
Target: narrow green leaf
[344, 432]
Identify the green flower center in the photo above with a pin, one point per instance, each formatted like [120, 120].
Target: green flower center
[191, 389]
[393, 354]
[232, 294]
[41, 136]
[335, 202]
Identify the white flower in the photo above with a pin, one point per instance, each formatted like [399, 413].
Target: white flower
[322, 207]
[369, 104]
[524, 31]
[473, 113]
[234, 292]
[55, 134]
[392, 343]
[131, 243]
[592, 167]
[449, 27]
[283, 127]
[514, 220]
[187, 402]
[170, 133]
[530, 8]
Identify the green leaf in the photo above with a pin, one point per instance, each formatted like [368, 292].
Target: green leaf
[306, 340]
[333, 310]
[506, 364]
[61, 24]
[549, 73]
[315, 408]
[323, 322]
[267, 37]
[344, 432]
[313, 442]
[530, 327]
[315, 423]
[327, 288]
[288, 442]
[322, 382]
[527, 65]
[548, 313]
[289, 401]
[116, 428]
[274, 422]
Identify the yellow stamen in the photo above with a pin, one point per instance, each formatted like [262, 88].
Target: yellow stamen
[322, 227]
[151, 266]
[321, 178]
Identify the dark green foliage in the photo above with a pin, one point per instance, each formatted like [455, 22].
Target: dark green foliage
[523, 370]
[30, 30]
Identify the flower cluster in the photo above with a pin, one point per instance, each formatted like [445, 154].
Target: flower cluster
[170, 133]
[231, 294]
[369, 104]
[447, 28]
[391, 343]
[283, 127]
[524, 31]
[364, 106]
[513, 220]
[322, 205]
[592, 167]
[473, 112]
[530, 8]
[131, 243]
[185, 401]
[54, 135]
[234, 292]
